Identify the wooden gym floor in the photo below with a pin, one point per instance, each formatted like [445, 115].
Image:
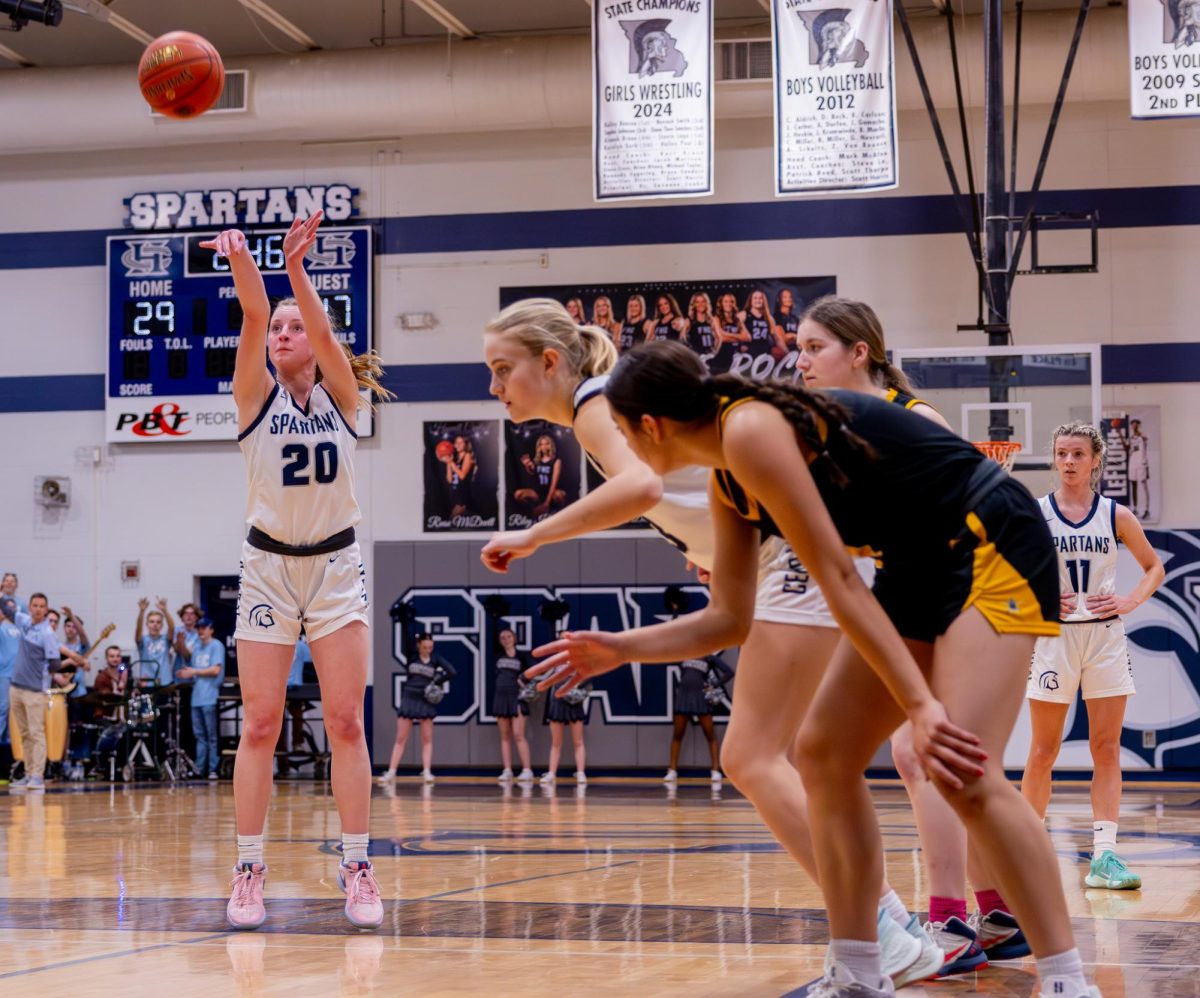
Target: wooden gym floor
[616, 888]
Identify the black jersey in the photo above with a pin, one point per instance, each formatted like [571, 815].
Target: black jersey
[906, 501]
[629, 335]
[789, 322]
[663, 330]
[759, 328]
[903, 398]
[545, 472]
[701, 337]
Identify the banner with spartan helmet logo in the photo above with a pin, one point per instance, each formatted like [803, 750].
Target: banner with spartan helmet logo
[652, 133]
[1164, 58]
[835, 96]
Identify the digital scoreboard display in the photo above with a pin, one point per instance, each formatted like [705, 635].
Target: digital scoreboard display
[174, 322]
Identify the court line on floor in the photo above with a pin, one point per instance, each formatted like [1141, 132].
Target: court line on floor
[522, 880]
[110, 956]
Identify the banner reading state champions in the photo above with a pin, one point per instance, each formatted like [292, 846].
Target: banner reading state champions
[652, 94]
[835, 96]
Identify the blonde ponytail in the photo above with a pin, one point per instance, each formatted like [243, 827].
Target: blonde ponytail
[541, 324]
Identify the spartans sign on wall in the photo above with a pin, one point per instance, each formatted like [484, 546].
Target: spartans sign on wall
[835, 96]
[1164, 55]
[652, 132]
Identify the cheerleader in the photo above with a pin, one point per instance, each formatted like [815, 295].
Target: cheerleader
[563, 713]
[544, 367]
[300, 562]
[508, 708]
[969, 579]
[696, 677]
[1092, 652]
[425, 670]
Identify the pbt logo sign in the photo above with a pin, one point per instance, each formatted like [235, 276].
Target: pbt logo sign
[465, 635]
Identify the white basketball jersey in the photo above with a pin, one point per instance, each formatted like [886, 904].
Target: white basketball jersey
[300, 467]
[682, 515]
[1087, 551]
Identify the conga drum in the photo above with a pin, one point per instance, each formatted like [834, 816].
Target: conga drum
[56, 729]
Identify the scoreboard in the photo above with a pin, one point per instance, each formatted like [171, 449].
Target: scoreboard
[174, 323]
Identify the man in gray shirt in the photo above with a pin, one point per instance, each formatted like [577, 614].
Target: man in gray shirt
[37, 656]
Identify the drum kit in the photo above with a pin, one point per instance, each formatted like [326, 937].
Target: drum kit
[142, 728]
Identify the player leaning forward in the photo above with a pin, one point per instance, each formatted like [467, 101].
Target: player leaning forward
[300, 561]
[968, 580]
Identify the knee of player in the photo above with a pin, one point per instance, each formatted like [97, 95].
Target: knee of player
[259, 726]
[343, 725]
[1043, 753]
[1105, 747]
[820, 756]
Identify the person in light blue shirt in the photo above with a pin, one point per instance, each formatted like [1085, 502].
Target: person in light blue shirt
[301, 658]
[186, 637]
[154, 643]
[38, 656]
[8, 587]
[10, 638]
[208, 671]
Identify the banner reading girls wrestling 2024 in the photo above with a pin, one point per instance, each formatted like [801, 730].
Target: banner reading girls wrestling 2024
[652, 94]
[835, 96]
[1164, 55]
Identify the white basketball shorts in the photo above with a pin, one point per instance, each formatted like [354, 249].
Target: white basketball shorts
[786, 593]
[1092, 655]
[278, 593]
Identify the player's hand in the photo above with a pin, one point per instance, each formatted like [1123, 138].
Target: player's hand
[1068, 603]
[505, 546]
[144, 603]
[1106, 606]
[576, 656]
[301, 236]
[228, 243]
[947, 752]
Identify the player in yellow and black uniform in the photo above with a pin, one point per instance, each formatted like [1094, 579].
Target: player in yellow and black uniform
[955, 535]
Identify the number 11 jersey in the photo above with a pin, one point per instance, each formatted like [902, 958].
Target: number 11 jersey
[1087, 551]
[300, 468]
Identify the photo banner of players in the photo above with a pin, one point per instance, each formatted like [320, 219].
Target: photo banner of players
[542, 463]
[835, 96]
[1164, 58]
[652, 124]
[741, 325]
[462, 476]
[1133, 466]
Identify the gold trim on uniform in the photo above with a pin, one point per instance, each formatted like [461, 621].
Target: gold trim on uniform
[1001, 593]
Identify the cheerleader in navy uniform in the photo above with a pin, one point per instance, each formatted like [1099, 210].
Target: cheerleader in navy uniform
[697, 677]
[424, 670]
[667, 323]
[301, 565]
[562, 713]
[969, 580]
[701, 331]
[765, 335]
[632, 330]
[508, 708]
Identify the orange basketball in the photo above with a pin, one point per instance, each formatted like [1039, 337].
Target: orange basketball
[444, 450]
[181, 74]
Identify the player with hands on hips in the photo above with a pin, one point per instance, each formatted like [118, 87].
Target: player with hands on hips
[301, 564]
[1092, 652]
[968, 580]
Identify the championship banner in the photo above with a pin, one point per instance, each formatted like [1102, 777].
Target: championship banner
[542, 463]
[652, 81]
[462, 472]
[743, 325]
[835, 96]
[1164, 56]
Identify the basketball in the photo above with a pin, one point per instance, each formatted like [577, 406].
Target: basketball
[181, 75]
[444, 450]
[1116, 423]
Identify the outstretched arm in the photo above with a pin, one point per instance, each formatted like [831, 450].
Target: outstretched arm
[337, 374]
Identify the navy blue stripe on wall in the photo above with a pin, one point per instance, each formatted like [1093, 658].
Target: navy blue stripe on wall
[1118, 207]
[1122, 364]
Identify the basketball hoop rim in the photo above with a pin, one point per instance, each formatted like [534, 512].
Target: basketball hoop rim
[1003, 452]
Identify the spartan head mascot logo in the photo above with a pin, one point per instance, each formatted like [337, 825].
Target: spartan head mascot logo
[652, 48]
[260, 616]
[1184, 27]
[831, 38]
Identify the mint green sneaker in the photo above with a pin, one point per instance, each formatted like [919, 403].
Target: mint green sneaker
[1109, 870]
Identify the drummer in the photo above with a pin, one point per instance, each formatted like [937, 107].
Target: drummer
[111, 681]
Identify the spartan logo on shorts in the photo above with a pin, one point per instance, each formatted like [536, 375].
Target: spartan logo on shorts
[260, 616]
[1048, 681]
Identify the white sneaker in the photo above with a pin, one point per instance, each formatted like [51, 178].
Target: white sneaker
[580, 777]
[929, 963]
[505, 776]
[838, 982]
[715, 775]
[1061, 987]
[547, 779]
[899, 953]
[427, 776]
[526, 776]
[387, 776]
[671, 776]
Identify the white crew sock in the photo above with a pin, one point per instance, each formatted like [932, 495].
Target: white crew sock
[354, 847]
[859, 957]
[892, 904]
[250, 849]
[1065, 967]
[1104, 836]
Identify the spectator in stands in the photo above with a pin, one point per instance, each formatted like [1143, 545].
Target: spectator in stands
[8, 587]
[154, 647]
[186, 637]
[208, 671]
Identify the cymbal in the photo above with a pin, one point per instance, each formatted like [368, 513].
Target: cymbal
[165, 691]
[101, 699]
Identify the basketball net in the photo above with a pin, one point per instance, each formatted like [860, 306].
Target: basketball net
[1003, 452]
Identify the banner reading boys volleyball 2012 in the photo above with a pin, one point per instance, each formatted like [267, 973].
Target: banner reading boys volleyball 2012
[1164, 56]
[835, 96]
[652, 92]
